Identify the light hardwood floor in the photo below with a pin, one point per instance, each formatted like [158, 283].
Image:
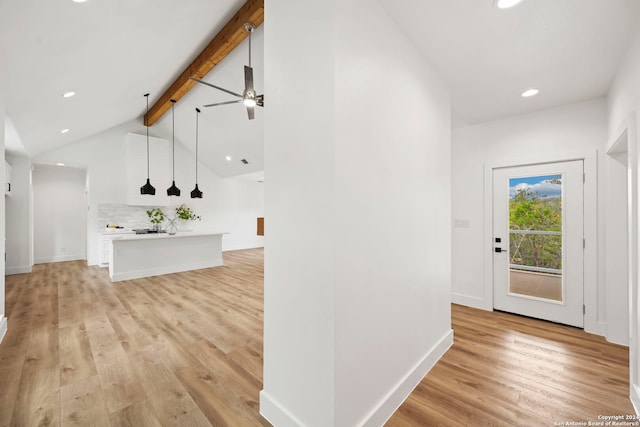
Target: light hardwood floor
[508, 370]
[182, 349]
[186, 350]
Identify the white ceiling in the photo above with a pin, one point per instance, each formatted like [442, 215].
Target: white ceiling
[112, 52]
[568, 49]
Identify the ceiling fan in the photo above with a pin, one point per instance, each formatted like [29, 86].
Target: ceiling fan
[248, 97]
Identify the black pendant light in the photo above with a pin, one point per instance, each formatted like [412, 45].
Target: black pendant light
[173, 190]
[196, 193]
[147, 188]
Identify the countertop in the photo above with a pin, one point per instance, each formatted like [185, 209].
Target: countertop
[133, 236]
[110, 231]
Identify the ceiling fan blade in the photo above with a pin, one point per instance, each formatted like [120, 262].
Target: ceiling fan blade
[216, 87]
[251, 113]
[248, 79]
[223, 103]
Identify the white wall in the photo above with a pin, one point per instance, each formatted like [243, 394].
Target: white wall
[299, 283]
[228, 205]
[624, 95]
[624, 104]
[18, 215]
[60, 214]
[357, 265]
[3, 319]
[547, 134]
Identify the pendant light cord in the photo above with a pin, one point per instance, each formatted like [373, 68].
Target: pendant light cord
[197, 115]
[173, 142]
[147, 126]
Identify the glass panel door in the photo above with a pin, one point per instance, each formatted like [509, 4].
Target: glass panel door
[535, 237]
[537, 241]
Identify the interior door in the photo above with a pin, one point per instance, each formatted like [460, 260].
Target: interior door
[538, 241]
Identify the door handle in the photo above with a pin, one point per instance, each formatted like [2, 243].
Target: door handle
[499, 250]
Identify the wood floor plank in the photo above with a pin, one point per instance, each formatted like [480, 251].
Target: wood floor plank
[135, 415]
[218, 402]
[121, 386]
[76, 358]
[38, 398]
[82, 403]
[169, 399]
[11, 364]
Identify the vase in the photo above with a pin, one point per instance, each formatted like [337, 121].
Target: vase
[172, 227]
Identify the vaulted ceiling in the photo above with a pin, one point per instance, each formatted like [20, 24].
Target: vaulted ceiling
[113, 52]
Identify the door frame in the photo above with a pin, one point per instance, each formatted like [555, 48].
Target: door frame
[568, 310]
[589, 157]
[628, 130]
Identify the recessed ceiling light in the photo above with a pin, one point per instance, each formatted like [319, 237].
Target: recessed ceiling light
[68, 94]
[529, 92]
[228, 158]
[65, 130]
[59, 164]
[79, 1]
[506, 4]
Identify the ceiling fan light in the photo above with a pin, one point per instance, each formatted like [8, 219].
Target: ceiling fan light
[249, 102]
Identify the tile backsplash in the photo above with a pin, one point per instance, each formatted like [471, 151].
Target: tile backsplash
[126, 216]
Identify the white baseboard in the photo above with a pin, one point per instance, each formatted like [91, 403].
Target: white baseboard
[44, 260]
[3, 327]
[396, 396]
[616, 338]
[635, 398]
[595, 327]
[277, 415]
[129, 275]
[256, 246]
[469, 301]
[239, 245]
[17, 270]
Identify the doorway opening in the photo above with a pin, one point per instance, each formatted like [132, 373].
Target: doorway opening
[59, 213]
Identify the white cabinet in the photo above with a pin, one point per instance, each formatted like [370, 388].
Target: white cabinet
[104, 250]
[7, 179]
[136, 170]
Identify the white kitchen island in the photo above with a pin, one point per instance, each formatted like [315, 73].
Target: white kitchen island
[143, 255]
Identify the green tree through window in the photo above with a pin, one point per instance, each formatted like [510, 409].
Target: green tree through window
[532, 211]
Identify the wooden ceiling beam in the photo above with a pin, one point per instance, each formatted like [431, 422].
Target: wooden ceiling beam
[222, 44]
